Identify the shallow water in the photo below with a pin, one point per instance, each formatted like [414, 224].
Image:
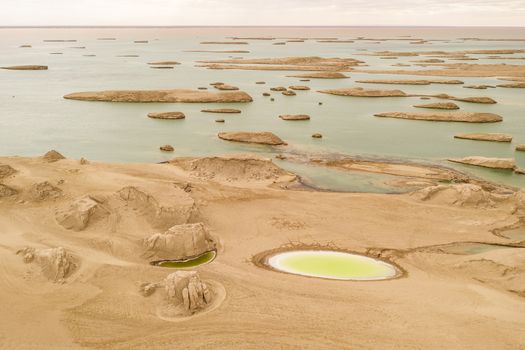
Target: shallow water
[184, 264]
[332, 265]
[35, 118]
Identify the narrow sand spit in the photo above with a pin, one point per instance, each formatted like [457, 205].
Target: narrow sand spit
[466, 117]
[192, 96]
[456, 272]
[495, 137]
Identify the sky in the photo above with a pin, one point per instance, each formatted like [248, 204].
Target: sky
[262, 12]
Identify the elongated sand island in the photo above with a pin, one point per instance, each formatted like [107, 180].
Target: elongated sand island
[466, 117]
[182, 95]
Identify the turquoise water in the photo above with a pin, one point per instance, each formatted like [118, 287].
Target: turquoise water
[35, 118]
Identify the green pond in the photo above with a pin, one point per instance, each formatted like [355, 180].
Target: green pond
[332, 265]
[184, 264]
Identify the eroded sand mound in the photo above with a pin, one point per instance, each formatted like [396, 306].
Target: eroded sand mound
[161, 211]
[53, 156]
[294, 117]
[56, 263]
[461, 195]
[180, 95]
[186, 292]
[180, 242]
[6, 191]
[465, 117]
[78, 214]
[44, 190]
[360, 92]
[264, 137]
[6, 170]
[234, 168]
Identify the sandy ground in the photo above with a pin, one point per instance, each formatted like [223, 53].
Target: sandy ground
[453, 301]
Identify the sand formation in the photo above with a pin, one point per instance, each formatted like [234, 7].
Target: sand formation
[56, 263]
[166, 115]
[190, 96]
[310, 63]
[243, 168]
[77, 215]
[462, 195]
[466, 117]
[221, 110]
[25, 67]
[180, 242]
[320, 75]
[263, 137]
[496, 137]
[53, 156]
[410, 82]
[294, 117]
[360, 92]
[443, 105]
[494, 163]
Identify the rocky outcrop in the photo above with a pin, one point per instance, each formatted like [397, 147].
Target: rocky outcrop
[6, 170]
[26, 67]
[321, 75]
[56, 263]
[180, 242]
[234, 168]
[289, 93]
[445, 117]
[167, 208]
[486, 137]
[180, 95]
[294, 117]
[494, 163]
[461, 195]
[317, 136]
[166, 115]
[6, 191]
[53, 156]
[360, 92]
[278, 88]
[442, 105]
[167, 148]
[520, 148]
[264, 137]
[221, 110]
[43, 191]
[185, 290]
[79, 213]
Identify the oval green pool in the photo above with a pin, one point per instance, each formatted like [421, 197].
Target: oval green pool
[184, 264]
[332, 265]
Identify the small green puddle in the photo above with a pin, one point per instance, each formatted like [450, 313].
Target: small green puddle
[471, 248]
[184, 264]
[332, 265]
[517, 234]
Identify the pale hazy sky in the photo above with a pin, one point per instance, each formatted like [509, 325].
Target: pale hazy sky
[263, 12]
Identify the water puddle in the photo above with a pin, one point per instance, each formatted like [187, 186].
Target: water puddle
[332, 265]
[188, 263]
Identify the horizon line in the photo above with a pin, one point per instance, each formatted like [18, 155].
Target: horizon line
[260, 26]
